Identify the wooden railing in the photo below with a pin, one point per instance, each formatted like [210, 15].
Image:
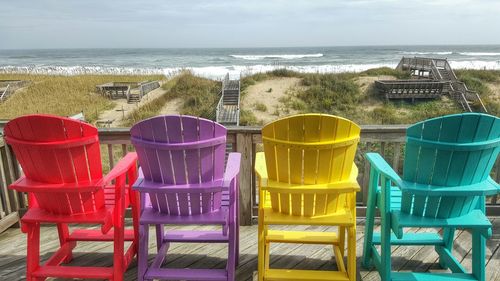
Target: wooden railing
[5, 93]
[387, 140]
[146, 87]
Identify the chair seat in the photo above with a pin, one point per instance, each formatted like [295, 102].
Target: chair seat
[474, 219]
[103, 216]
[151, 216]
[344, 218]
[24, 184]
[396, 195]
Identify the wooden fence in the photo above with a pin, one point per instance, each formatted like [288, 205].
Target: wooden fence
[387, 140]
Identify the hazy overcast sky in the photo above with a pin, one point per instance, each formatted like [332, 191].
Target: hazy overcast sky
[245, 23]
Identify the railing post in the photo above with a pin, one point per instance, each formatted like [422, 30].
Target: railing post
[245, 147]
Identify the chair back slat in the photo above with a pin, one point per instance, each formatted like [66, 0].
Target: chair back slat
[57, 150]
[453, 150]
[309, 149]
[181, 150]
[195, 199]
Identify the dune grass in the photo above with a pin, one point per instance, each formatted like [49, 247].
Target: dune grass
[62, 95]
[481, 81]
[386, 71]
[341, 94]
[200, 96]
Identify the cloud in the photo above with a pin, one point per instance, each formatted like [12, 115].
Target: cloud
[158, 23]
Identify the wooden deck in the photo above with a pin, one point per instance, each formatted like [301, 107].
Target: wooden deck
[13, 252]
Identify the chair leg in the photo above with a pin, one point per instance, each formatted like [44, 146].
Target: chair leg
[136, 213]
[478, 255]
[33, 254]
[237, 234]
[267, 255]
[118, 251]
[370, 220]
[351, 253]
[261, 250]
[342, 231]
[231, 258]
[160, 233]
[63, 231]
[142, 257]
[448, 235]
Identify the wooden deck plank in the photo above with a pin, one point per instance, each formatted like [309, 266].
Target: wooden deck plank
[13, 252]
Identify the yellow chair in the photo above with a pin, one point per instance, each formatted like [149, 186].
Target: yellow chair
[307, 176]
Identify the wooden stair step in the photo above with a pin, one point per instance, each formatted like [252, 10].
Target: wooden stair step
[209, 236]
[302, 237]
[186, 274]
[300, 275]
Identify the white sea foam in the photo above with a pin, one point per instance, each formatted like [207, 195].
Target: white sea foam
[217, 72]
[479, 54]
[490, 65]
[428, 53]
[285, 57]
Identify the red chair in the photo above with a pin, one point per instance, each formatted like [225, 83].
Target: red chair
[61, 161]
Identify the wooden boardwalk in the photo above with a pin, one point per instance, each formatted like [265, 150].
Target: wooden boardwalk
[13, 252]
[431, 78]
[228, 108]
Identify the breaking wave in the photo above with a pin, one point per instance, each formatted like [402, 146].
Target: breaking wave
[479, 54]
[284, 57]
[427, 53]
[217, 72]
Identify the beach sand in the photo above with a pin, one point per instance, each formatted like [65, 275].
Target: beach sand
[172, 107]
[259, 93]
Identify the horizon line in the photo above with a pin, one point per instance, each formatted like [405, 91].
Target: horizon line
[269, 47]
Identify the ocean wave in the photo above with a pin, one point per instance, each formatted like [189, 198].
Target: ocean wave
[285, 57]
[479, 54]
[217, 72]
[427, 53]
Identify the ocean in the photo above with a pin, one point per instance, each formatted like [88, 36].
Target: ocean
[216, 62]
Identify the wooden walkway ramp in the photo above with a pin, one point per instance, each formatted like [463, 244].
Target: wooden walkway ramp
[314, 257]
[9, 87]
[431, 78]
[228, 108]
[132, 91]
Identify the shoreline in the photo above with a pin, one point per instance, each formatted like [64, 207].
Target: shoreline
[218, 72]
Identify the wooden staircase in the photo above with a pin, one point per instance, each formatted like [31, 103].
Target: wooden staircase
[228, 108]
[133, 98]
[440, 70]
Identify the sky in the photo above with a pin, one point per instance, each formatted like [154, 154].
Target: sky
[33, 24]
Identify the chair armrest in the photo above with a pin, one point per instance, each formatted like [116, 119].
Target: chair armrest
[380, 165]
[261, 168]
[484, 188]
[122, 167]
[232, 168]
[127, 166]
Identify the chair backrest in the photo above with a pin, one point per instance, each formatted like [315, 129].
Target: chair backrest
[58, 150]
[308, 149]
[186, 153]
[452, 150]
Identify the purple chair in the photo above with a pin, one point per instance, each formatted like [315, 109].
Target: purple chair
[182, 182]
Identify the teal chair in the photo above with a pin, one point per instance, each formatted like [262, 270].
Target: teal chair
[445, 180]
